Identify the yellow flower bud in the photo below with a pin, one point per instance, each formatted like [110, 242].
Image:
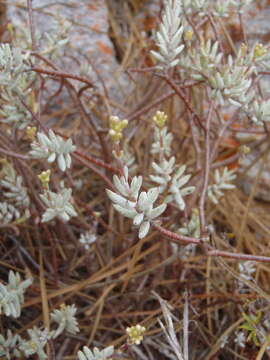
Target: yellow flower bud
[31, 132]
[188, 35]
[244, 149]
[259, 50]
[160, 119]
[116, 128]
[44, 178]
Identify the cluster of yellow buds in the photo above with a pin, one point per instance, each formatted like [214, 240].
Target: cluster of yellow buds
[116, 128]
[44, 178]
[244, 149]
[31, 132]
[135, 334]
[259, 50]
[160, 119]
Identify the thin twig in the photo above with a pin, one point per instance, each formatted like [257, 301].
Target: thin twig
[210, 251]
[62, 75]
[206, 172]
[242, 27]
[238, 256]
[31, 24]
[179, 92]
[195, 139]
[13, 154]
[180, 239]
[98, 172]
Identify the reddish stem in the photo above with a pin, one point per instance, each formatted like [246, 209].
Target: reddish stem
[62, 75]
[209, 250]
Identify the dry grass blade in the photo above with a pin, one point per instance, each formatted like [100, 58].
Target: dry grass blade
[169, 330]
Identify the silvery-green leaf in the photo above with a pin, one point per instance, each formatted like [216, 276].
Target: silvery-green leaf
[158, 179]
[174, 189]
[175, 39]
[163, 32]
[126, 173]
[48, 215]
[81, 356]
[108, 351]
[179, 200]
[171, 162]
[234, 102]
[130, 213]
[187, 190]
[156, 211]
[212, 197]
[152, 194]
[144, 228]
[61, 162]
[157, 168]
[180, 171]
[227, 186]
[54, 138]
[220, 81]
[120, 200]
[161, 39]
[135, 186]
[143, 202]
[138, 219]
[157, 56]
[182, 181]
[120, 186]
[97, 354]
[43, 139]
[178, 50]
[64, 216]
